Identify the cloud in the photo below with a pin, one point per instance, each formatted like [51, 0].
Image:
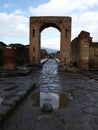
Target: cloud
[85, 21]
[50, 38]
[55, 7]
[53, 43]
[14, 26]
[84, 14]
[7, 5]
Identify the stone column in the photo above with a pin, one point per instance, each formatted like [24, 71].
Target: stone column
[84, 54]
[65, 53]
[84, 41]
[35, 46]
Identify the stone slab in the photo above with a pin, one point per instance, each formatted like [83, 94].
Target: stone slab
[12, 101]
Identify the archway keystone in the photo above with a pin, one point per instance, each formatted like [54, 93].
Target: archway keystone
[63, 24]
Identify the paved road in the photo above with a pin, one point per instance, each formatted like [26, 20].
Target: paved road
[78, 110]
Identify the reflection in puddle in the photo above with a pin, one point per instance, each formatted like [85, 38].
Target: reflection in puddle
[57, 100]
[1, 100]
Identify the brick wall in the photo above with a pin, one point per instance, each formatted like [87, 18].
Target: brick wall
[93, 55]
[9, 59]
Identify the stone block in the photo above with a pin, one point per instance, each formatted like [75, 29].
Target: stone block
[12, 101]
[96, 51]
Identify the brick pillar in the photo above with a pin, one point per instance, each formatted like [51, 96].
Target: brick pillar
[65, 50]
[84, 41]
[35, 47]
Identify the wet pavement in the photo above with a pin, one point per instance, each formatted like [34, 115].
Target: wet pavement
[73, 95]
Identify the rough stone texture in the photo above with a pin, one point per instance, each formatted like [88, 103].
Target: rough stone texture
[2, 45]
[63, 24]
[12, 101]
[84, 52]
[22, 53]
[94, 55]
[9, 59]
[81, 52]
[81, 112]
[13, 55]
[12, 91]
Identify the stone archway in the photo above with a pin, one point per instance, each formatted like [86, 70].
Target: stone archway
[63, 24]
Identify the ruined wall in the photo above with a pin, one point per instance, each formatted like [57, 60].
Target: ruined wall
[93, 62]
[1, 57]
[75, 52]
[9, 59]
[84, 41]
[22, 53]
[84, 52]
[80, 50]
[2, 45]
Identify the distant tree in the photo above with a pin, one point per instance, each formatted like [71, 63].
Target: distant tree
[44, 54]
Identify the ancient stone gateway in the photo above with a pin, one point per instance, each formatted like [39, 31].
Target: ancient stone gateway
[63, 24]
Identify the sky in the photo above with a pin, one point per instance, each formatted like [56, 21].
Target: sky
[15, 14]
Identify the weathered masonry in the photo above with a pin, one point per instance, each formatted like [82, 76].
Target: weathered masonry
[84, 52]
[81, 52]
[63, 24]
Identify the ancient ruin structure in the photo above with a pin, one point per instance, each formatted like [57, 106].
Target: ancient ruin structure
[81, 52]
[9, 59]
[13, 55]
[37, 25]
[22, 53]
[84, 52]
[2, 46]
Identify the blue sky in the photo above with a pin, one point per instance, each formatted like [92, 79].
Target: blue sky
[14, 19]
[11, 5]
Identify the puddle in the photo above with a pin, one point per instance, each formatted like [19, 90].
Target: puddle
[1, 100]
[11, 88]
[58, 101]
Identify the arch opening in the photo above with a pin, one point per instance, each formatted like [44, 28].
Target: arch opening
[50, 42]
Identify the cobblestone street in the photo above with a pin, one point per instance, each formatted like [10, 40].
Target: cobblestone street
[77, 111]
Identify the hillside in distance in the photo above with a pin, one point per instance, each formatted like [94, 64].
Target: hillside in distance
[49, 50]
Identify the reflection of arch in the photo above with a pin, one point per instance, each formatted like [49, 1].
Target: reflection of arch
[58, 101]
[63, 24]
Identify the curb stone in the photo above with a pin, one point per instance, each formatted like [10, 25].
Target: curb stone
[8, 105]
